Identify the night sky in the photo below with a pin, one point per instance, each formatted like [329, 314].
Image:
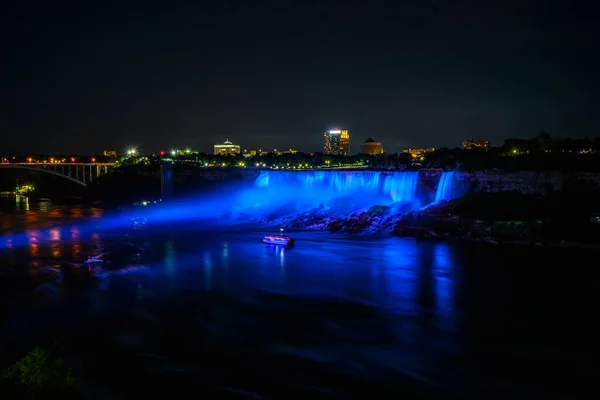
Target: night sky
[85, 78]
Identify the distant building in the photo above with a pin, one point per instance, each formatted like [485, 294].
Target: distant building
[418, 154]
[250, 153]
[282, 152]
[227, 149]
[183, 152]
[371, 147]
[337, 142]
[110, 153]
[471, 144]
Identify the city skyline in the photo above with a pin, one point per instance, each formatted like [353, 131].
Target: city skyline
[414, 75]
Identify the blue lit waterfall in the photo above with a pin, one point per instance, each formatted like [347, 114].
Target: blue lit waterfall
[313, 188]
[332, 193]
[445, 187]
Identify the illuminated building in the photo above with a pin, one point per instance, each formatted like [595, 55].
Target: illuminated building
[110, 153]
[371, 147]
[250, 153]
[227, 149]
[282, 152]
[182, 152]
[418, 154]
[337, 142]
[471, 144]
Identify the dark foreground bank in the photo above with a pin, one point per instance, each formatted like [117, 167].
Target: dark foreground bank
[260, 345]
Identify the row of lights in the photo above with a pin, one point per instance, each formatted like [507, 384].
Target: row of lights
[52, 160]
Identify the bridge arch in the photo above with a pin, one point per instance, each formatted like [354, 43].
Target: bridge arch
[48, 171]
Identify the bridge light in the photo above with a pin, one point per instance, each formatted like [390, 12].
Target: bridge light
[93, 159]
[72, 159]
[29, 159]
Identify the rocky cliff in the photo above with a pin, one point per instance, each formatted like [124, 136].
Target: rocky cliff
[526, 182]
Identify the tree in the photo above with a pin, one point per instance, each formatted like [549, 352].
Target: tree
[38, 376]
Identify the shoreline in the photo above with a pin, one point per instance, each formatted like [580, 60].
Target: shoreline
[561, 244]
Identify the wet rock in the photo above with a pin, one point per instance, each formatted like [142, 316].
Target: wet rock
[336, 225]
[360, 221]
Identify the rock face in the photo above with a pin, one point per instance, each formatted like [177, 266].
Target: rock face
[315, 219]
[525, 182]
[358, 222]
[433, 222]
[376, 220]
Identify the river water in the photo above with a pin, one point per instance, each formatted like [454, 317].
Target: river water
[220, 312]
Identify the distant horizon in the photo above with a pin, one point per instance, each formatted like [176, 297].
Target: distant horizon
[353, 143]
[283, 149]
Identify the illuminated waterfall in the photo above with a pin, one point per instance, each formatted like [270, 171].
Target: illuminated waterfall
[321, 187]
[445, 187]
[276, 194]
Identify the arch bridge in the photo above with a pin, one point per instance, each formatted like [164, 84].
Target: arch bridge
[81, 173]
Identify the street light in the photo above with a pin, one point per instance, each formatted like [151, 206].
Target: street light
[132, 151]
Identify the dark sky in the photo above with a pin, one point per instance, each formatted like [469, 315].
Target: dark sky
[80, 79]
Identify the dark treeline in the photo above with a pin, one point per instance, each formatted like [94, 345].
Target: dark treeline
[576, 200]
[126, 184]
[543, 152]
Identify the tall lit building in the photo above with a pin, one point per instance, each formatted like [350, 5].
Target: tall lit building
[371, 147]
[337, 142]
[227, 149]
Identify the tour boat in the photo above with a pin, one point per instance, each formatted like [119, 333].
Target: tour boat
[280, 239]
[94, 259]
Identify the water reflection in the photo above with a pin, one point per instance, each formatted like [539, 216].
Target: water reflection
[75, 233]
[170, 258]
[44, 206]
[55, 212]
[281, 251]
[96, 213]
[208, 270]
[76, 251]
[225, 256]
[398, 275]
[55, 234]
[55, 250]
[33, 238]
[413, 279]
[273, 273]
[76, 212]
[426, 298]
[34, 250]
[96, 241]
[446, 282]
[22, 203]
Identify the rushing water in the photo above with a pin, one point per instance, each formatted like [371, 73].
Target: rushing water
[311, 188]
[445, 188]
[470, 319]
